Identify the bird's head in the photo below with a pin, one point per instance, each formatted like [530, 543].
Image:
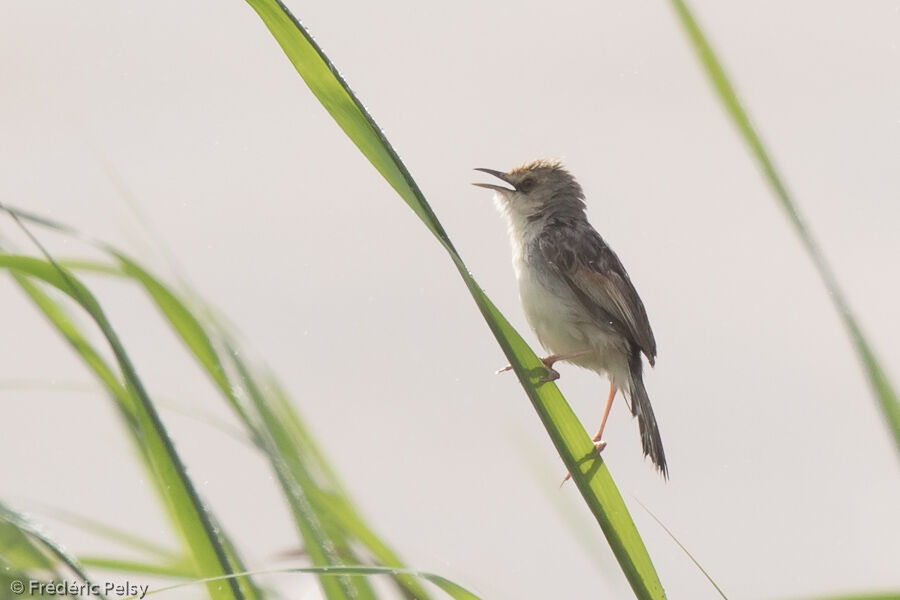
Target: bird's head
[540, 187]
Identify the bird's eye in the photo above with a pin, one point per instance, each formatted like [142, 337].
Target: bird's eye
[525, 185]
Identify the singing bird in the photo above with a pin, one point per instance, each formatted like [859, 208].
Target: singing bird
[575, 292]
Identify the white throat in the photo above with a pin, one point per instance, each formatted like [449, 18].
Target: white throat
[521, 231]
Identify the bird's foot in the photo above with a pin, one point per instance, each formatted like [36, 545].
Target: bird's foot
[552, 375]
[599, 445]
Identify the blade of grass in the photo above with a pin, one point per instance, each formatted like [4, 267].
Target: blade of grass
[32, 532]
[18, 552]
[322, 547]
[173, 570]
[185, 324]
[197, 524]
[299, 487]
[115, 534]
[119, 392]
[568, 435]
[451, 589]
[309, 469]
[287, 459]
[685, 550]
[570, 511]
[66, 326]
[878, 380]
[336, 507]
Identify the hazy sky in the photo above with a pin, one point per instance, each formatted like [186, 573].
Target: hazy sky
[784, 480]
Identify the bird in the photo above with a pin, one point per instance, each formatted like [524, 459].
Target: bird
[576, 295]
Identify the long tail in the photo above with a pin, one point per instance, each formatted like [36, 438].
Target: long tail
[641, 408]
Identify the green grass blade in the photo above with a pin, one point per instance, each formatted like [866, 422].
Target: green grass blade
[62, 321]
[685, 550]
[18, 552]
[878, 380]
[7, 515]
[110, 379]
[571, 440]
[311, 472]
[453, 590]
[338, 508]
[321, 542]
[187, 326]
[107, 563]
[322, 547]
[114, 534]
[326, 84]
[197, 524]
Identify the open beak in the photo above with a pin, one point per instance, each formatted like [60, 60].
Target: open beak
[499, 175]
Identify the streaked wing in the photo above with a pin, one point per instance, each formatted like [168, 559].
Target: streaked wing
[599, 280]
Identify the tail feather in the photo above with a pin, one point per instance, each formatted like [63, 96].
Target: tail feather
[641, 408]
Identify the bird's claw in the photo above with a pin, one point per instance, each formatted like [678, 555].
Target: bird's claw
[552, 375]
[599, 445]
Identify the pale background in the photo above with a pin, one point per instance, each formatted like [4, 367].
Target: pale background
[784, 480]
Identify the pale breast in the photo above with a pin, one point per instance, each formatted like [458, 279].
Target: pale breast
[552, 311]
[561, 323]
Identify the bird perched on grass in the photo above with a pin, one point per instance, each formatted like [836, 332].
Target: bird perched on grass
[575, 292]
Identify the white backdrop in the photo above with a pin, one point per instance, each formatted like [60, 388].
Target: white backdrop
[784, 480]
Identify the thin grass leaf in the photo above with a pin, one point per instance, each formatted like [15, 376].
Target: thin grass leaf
[878, 380]
[66, 326]
[328, 86]
[32, 532]
[322, 545]
[568, 435]
[308, 466]
[124, 538]
[282, 405]
[188, 328]
[182, 570]
[453, 590]
[282, 436]
[685, 550]
[118, 391]
[182, 320]
[338, 507]
[197, 524]
[570, 511]
[18, 552]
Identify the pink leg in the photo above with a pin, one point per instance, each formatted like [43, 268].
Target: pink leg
[599, 444]
[598, 439]
[549, 361]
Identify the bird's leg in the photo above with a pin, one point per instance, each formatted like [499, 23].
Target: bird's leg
[599, 444]
[552, 374]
